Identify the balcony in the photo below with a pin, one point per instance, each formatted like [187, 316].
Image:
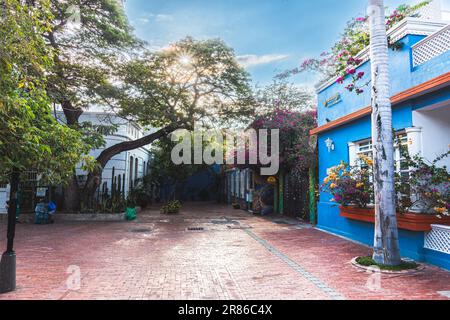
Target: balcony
[431, 47]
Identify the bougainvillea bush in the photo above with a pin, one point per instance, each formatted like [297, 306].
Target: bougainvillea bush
[350, 185]
[428, 186]
[297, 151]
[341, 61]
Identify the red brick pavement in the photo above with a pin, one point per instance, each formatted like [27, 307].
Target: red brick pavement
[166, 261]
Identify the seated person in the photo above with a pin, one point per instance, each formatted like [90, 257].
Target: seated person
[41, 212]
[51, 211]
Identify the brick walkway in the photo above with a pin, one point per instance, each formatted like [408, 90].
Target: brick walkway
[236, 256]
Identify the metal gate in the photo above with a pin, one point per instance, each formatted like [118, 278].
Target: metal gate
[295, 195]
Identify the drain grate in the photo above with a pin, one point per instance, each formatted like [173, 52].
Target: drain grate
[141, 230]
[195, 229]
[224, 222]
[239, 227]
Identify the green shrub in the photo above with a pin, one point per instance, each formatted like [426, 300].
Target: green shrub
[172, 207]
[369, 262]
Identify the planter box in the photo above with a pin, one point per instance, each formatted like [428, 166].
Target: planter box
[407, 221]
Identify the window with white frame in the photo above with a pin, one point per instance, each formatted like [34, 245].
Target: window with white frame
[365, 149]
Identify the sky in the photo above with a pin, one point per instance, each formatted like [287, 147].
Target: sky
[269, 36]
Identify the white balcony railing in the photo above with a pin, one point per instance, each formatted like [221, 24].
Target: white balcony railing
[410, 25]
[432, 46]
[438, 239]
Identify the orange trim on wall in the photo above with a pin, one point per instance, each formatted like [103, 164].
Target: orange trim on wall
[423, 88]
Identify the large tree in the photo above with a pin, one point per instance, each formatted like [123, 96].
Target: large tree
[187, 83]
[30, 137]
[283, 95]
[96, 65]
[89, 38]
[386, 246]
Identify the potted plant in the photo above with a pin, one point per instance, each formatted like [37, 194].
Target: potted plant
[172, 207]
[428, 184]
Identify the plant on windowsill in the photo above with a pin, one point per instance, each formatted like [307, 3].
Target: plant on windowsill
[350, 185]
[430, 185]
[426, 191]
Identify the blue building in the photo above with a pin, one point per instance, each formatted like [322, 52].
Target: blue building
[420, 87]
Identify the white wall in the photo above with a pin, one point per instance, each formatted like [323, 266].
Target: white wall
[121, 163]
[435, 124]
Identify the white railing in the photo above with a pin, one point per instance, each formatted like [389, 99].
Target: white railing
[432, 46]
[410, 25]
[438, 239]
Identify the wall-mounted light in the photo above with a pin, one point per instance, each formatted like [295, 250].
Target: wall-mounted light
[330, 145]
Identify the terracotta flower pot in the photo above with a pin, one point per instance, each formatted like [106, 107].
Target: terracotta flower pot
[408, 221]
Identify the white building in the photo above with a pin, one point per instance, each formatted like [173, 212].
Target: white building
[122, 170]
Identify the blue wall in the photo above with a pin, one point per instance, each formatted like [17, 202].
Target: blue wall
[403, 77]
[402, 74]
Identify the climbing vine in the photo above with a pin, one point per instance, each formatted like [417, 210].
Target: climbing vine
[341, 61]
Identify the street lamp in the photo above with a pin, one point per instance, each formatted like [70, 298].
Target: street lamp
[8, 261]
[330, 145]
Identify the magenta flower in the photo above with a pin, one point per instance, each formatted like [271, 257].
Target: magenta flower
[350, 71]
[340, 80]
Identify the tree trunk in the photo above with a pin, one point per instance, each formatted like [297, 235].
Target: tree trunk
[386, 247]
[72, 195]
[94, 178]
[71, 191]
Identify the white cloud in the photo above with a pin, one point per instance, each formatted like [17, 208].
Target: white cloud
[159, 18]
[250, 60]
[163, 18]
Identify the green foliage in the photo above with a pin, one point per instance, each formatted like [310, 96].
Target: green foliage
[341, 61]
[427, 189]
[297, 151]
[141, 193]
[428, 185]
[282, 95]
[369, 262]
[30, 138]
[163, 170]
[86, 54]
[350, 185]
[172, 207]
[188, 82]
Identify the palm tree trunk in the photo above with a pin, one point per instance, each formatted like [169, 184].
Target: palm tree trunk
[386, 247]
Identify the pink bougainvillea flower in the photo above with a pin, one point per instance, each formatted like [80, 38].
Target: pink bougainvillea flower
[350, 71]
[360, 74]
[340, 80]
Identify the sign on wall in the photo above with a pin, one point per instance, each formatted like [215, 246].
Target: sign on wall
[335, 99]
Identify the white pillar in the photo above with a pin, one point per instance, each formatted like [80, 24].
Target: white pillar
[352, 154]
[414, 135]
